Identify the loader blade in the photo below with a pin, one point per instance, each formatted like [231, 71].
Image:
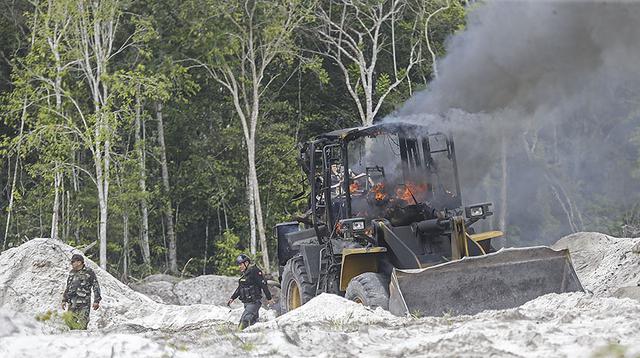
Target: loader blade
[505, 279]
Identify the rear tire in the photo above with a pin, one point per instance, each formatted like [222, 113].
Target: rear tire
[370, 289]
[296, 286]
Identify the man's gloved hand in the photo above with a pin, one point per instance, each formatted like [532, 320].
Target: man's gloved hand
[64, 305]
[96, 305]
[230, 302]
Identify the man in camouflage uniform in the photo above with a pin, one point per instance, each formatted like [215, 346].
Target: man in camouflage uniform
[77, 294]
[250, 287]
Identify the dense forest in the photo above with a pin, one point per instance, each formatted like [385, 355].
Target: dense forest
[165, 132]
[162, 136]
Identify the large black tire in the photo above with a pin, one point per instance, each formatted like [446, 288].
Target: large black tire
[370, 289]
[296, 286]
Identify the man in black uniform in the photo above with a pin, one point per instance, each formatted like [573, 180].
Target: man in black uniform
[250, 287]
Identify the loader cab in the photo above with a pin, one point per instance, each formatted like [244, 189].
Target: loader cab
[378, 171]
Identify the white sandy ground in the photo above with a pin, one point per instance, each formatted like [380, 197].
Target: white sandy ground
[603, 263]
[131, 325]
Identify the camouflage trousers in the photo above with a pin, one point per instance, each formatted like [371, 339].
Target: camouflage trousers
[80, 313]
[250, 314]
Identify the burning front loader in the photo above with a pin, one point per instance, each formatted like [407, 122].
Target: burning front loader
[386, 227]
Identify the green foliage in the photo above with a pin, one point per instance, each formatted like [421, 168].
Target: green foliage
[315, 65]
[46, 316]
[226, 253]
[71, 320]
[68, 318]
[247, 346]
[166, 52]
[611, 350]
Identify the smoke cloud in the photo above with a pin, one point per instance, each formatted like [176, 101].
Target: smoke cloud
[545, 97]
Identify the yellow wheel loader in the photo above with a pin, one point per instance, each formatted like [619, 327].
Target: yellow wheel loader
[386, 227]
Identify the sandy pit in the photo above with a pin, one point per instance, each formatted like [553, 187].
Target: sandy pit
[129, 324]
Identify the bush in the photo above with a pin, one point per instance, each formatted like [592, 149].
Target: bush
[226, 253]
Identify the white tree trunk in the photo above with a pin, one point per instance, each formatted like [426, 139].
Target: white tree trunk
[57, 181]
[168, 211]
[434, 64]
[252, 218]
[15, 176]
[206, 246]
[254, 187]
[102, 154]
[125, 248]
[142, 182]
[102, 230]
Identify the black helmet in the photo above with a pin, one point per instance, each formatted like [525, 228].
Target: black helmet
[77, 257]
[242, 258]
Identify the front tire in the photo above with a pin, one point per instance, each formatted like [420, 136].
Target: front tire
[296, 286]
[370, 289]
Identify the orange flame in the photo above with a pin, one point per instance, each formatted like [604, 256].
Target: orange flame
[378, 189]
[419, 191]
[353, 187]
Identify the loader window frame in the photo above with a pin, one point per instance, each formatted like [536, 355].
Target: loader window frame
[332, 154]
[441, 150]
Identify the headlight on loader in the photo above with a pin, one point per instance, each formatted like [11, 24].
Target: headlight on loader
[475, 212]
[352, 227]
[479, 211]
[358, 225]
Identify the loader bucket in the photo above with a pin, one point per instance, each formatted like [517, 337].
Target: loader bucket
[505, 279]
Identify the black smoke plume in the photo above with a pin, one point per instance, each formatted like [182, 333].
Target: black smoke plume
[552, 89]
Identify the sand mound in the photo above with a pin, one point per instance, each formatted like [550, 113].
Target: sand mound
[159, 291]
[206, 289]
[572, 324]
[23, 336]
[334, 309]
[33, 275]
[603, 263]
[15, 324]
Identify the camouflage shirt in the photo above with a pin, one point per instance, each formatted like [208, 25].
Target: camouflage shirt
[79, 285]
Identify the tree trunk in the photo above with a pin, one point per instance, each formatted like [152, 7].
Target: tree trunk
[142, 182]
[206, 246]
[125, 244]
[252, 219]
[102, 231]
[173, 262]
[15, 176]
[101, 158]
[57, 179]
[57, 175]
[66, 216]
[254, 187]
[226, 218]
[102, 163]
[434, 64]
